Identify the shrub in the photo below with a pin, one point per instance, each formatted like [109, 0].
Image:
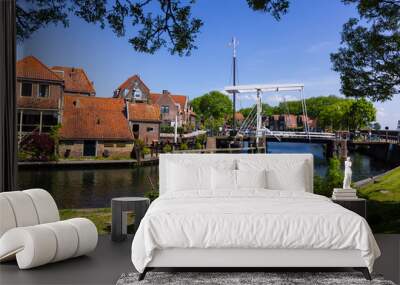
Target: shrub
[152, 195]
[334, 175]
[167, 148]
[333, 179]
[166, 129]
[184, 146]
[146, 150]
[39, 147]
[198, 145]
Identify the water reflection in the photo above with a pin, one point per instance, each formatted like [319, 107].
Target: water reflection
[93, 187]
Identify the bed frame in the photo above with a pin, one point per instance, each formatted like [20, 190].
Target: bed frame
[238, 259]
[250, 259]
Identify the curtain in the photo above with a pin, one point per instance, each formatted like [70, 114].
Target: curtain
[8, 113]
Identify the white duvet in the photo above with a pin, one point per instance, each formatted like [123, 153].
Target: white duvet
[256, 218]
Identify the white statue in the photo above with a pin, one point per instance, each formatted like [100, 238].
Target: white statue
[347, 174]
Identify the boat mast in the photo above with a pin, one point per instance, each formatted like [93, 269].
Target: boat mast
[234, 44]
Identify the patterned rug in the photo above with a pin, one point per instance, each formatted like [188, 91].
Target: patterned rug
[244, 278]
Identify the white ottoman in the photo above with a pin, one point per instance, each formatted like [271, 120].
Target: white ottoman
[31, 232]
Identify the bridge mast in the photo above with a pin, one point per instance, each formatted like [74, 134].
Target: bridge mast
[234, 43]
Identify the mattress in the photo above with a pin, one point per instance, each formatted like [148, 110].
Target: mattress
[250, 219]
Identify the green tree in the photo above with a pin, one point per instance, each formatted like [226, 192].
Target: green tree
[369, 59]
[213, 105]
[361, 114]
[153, 23]
[334, 176]
[335, 116]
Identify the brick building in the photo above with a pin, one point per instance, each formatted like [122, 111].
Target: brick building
[289, 122]
[144, 121]
[170, 106]
[39, 94]
[282, 122]
[133, 89]
[94, 126]
[174, 107]
[76, 81]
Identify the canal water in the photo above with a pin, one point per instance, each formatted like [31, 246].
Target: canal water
[85, 187]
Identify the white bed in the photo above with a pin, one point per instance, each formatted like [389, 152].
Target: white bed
[202, 220]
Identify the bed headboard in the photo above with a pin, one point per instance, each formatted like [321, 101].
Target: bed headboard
[209, 159]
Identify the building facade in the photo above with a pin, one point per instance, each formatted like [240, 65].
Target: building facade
[133, 90]
[144, 121]
[76, 81]
[174, 108]
[94, 126]
[171, 107]
[39, 94]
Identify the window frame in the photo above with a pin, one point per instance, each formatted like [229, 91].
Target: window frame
[22, 88]
[164, 107]
[48, 90]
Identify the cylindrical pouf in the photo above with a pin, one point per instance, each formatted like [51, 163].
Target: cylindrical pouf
[67, 239]
[34, 246]
[45, 205]
[7, 218]
[87, 235]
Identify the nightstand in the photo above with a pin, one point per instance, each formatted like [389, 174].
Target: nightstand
[357, 205]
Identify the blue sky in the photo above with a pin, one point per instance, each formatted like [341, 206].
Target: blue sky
[293, 50]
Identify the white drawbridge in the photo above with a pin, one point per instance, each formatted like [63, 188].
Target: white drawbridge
[254, 119]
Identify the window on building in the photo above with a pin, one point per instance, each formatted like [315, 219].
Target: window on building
[138, 93]
[164, 109]
[49, 120]
[149, 129]
[44, 90]
[121, 144]
[26, 89]
[108, 145]
[135, 127]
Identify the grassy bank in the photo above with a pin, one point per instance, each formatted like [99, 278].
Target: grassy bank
[101, 217]
[384, 202]
[385, 188]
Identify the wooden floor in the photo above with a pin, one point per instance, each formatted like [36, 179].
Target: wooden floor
[110, 260]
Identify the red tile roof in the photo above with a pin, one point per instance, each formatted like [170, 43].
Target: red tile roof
[144, 112]
[179, 99]
[75, 79]
[126, 83]
[32, 68]
[239, 116]
[94, 118]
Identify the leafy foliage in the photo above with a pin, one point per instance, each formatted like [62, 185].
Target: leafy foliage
[332, 112]
[213, 104]
[333, 179]
[277, 8]
[167, 23]
[213, 108]
[37, 147]
[369, 59]
[157, 23]
[167, 148]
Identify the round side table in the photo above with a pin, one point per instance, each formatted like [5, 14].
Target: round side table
[120, 207]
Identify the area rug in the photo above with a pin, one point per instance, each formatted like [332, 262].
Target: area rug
[244, 278]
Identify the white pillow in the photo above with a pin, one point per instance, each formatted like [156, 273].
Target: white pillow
[223, 179]
[251, 178]
[292, 179]
[184, 178]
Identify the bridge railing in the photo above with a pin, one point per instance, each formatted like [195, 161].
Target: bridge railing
[300, 134]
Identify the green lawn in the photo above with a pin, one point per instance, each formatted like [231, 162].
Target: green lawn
[101, 217]
[384, 202]
[384, 189]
